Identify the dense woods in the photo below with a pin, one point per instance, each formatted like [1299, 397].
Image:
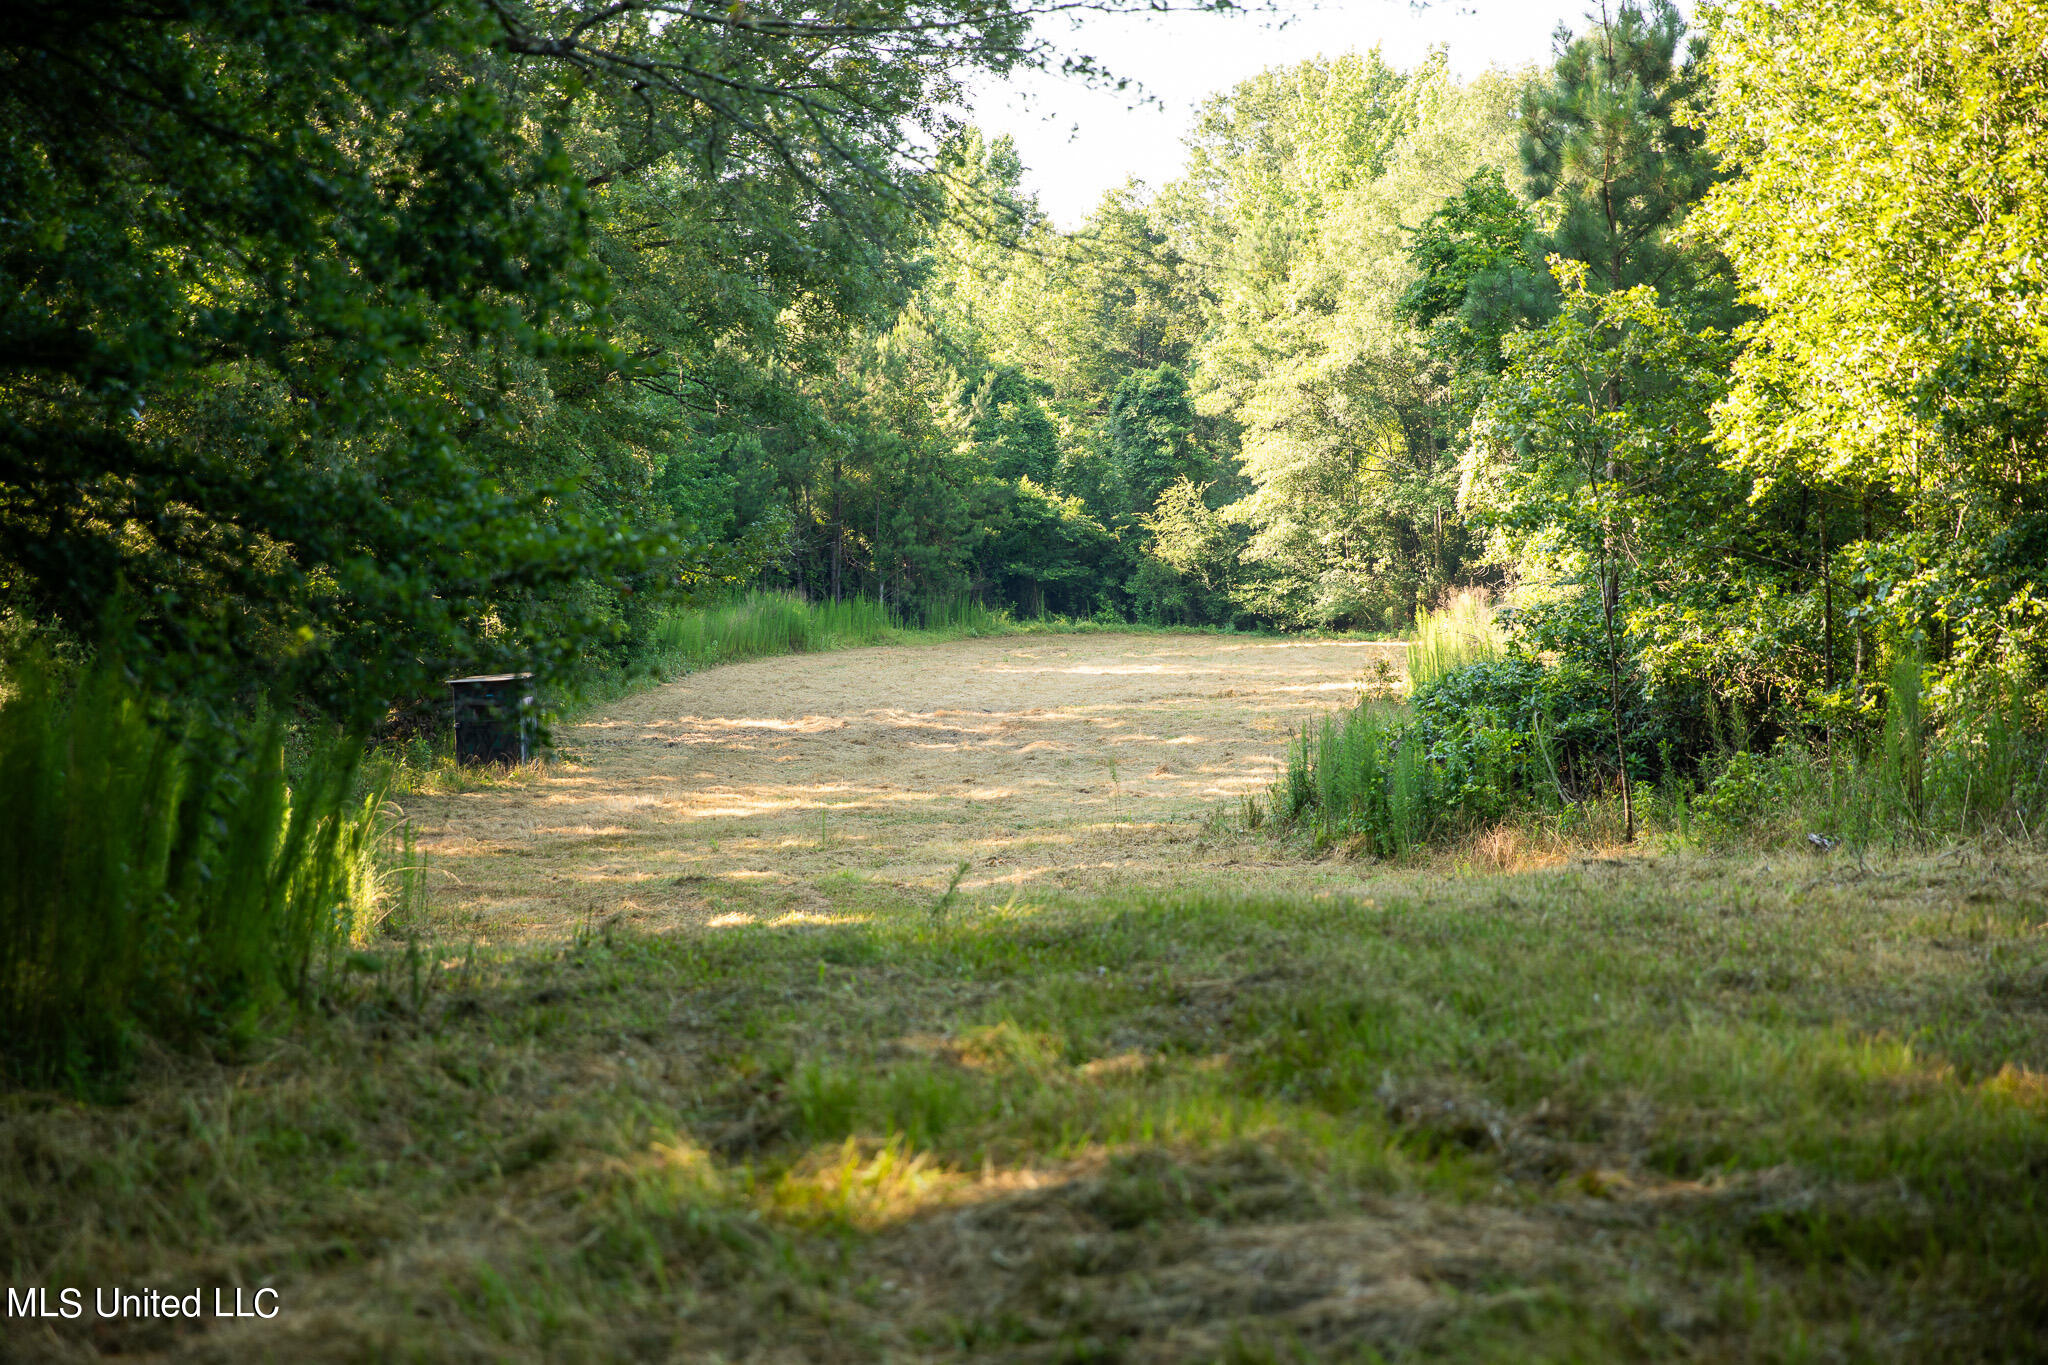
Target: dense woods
[346, 346]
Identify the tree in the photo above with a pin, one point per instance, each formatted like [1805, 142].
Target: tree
[1351, 507]
[353, 339]
[1475, 278]
[1016, 437]
[1604, 141]
[1191, 566]
[1599, 429]
[239, 236]
[1886, 218]
[1149, 437]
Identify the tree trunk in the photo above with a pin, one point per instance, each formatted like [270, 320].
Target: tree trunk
[838, 530]
[1827, 588]
[1610, 591]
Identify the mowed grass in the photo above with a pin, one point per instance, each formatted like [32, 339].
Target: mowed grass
[1653, 1109]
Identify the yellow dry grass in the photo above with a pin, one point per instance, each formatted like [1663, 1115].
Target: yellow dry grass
[833, 785]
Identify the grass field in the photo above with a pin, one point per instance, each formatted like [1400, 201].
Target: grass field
[1141, 1087]
[1649, 1109]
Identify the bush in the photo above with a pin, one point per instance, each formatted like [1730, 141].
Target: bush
[161, 877]
[1563, 711]
[1983, 769]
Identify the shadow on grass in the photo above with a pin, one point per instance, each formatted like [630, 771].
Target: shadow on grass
[1664, 1109]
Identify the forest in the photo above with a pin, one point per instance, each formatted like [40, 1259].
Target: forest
[1639, 456]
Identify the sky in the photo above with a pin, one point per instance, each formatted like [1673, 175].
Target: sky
[1077, 143]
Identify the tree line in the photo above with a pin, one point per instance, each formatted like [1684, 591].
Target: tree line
[348, 345]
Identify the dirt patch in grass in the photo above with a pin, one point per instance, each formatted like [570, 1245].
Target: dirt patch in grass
[818, 787]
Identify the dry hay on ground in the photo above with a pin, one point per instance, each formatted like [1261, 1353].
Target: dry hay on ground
[818, 786]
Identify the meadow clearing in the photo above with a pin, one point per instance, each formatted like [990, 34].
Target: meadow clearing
[934, 1003]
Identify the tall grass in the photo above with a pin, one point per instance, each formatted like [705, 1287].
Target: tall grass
[1359, 775]
[1462, 632]
[153, 882]
[1979, 767]
[956, 618]
[761, 624]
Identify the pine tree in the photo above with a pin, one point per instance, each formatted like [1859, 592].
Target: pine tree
[1603, 140]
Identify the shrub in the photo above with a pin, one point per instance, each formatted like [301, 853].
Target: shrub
[161, 877]
[1983, 768]
[1562, 712]
[1750, 792]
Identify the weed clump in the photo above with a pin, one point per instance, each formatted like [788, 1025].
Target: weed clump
[1513, 738]
[162, 876]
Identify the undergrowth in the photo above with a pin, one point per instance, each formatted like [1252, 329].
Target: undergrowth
[160, 875]
[1504, 737]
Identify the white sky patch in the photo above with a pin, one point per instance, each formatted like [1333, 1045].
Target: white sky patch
[1077, 143]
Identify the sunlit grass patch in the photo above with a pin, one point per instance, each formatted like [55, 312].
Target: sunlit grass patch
[857, 1188]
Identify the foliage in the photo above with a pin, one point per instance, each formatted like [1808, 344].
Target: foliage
[1193, 561]
[1597, 441]
[1611, 153]
[1982, 770]
[1561, 716]
[160, 877]
[1511, 735]
[1352, 499]
[243, 239]
[1149, 437]
[1477, 742]
[1886, 217]
[370, 340]
[1046, 552]
[1474, 274]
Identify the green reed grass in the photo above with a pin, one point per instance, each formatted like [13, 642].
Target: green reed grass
[1462, 632]
[1357, 775]
[162, 879]
[763, 624]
